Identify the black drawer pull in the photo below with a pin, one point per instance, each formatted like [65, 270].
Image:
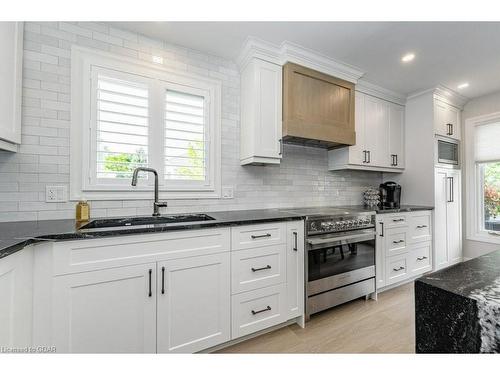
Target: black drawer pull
[268, 308]
[422, 258]
[398, 241]
[397, 220]
[398, 269]
[150, 273]
[163, 280]
[296, 244]
[261, 236]
[421, 226]
[268, 267]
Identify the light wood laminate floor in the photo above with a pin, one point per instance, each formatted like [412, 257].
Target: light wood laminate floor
[360, 326]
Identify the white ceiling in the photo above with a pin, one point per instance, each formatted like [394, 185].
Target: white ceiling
[447, 53]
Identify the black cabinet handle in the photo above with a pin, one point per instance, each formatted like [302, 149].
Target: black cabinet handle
[396, 163]
[369, 157]
[260, 236]
[422, 258]
[268, 308]
[398, 269]
[296, 244]
[268, 267]
[421, 226]
[163, 280]
[150, 273]
[452, 193]
[382, 227]
[397, 220]
[398, 241]
[364, 156]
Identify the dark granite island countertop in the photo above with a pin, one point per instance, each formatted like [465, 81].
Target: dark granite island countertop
[14, 236]
[457, 309]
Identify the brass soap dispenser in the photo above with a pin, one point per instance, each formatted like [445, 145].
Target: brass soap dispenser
[82, 211]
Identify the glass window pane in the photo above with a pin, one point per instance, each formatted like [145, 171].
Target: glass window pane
[491, 196]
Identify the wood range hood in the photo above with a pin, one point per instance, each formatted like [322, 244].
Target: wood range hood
[318, 109]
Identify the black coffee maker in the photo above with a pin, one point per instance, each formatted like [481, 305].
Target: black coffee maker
[390, 195]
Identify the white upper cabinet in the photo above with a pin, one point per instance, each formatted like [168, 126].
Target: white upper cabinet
[379, 126]
[446, 120]
[261, 113]
[396, 136]
[11, 53]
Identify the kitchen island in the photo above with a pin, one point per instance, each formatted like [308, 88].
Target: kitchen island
[457, 309]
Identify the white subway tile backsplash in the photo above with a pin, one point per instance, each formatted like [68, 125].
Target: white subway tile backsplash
[302, 179]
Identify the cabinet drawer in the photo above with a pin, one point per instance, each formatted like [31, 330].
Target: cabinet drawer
[396, 269]
[258, 268]
[420, 258]
[258, 309]
[89, 255]
[396, 241]
[420, 226]
[394, 221]
[249, 236]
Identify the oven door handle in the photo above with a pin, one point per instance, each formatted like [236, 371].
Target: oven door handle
[351, 238]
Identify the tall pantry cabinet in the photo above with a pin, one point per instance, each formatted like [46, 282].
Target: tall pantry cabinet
[431, 114]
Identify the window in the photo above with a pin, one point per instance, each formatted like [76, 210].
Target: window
[483, 183]
[129, 114]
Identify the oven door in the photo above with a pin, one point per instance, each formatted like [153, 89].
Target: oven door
[340, 259]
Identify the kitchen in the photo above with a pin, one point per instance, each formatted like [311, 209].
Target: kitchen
[162, 193]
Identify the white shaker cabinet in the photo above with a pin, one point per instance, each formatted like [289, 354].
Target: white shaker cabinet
[379, 126]
[194, 303]
[295, 268]
[446, 120]
[11, 53]
[261, 113]
[106, 311]
[16, 298]
[448, 233]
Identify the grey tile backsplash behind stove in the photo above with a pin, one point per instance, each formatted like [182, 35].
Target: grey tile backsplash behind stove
[302, 179]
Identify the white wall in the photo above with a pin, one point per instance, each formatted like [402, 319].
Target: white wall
[302, 179]
[477, 107]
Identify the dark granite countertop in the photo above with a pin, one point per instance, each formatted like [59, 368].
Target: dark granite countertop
[404, 208]
[16, 235]
[477, 279]
[457, 309]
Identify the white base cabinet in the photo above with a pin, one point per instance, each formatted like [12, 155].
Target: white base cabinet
[193, 303]
[448, 218]
[173, 292]
[105, 311]
[403, 246]
[16, 296]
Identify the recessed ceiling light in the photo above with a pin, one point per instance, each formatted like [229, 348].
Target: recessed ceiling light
[408, 57]
[463, 85]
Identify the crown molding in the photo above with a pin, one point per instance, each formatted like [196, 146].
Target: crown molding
[444, 94]
[380, 92]
[291, 52]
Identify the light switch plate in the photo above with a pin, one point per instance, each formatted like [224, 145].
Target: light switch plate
[54, 194]
[227, 192]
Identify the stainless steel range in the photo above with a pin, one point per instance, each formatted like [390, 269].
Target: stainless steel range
[340, 256]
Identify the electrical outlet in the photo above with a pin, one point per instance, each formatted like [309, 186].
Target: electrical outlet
[54, 194]
[227, 192]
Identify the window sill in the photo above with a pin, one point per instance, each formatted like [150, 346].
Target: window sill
[484, 237]
[143, 195]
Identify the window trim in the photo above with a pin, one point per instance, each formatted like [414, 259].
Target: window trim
[82, 59]
[475, 206]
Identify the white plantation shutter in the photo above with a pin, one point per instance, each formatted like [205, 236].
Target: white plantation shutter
[122, 127]
[186, 140]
